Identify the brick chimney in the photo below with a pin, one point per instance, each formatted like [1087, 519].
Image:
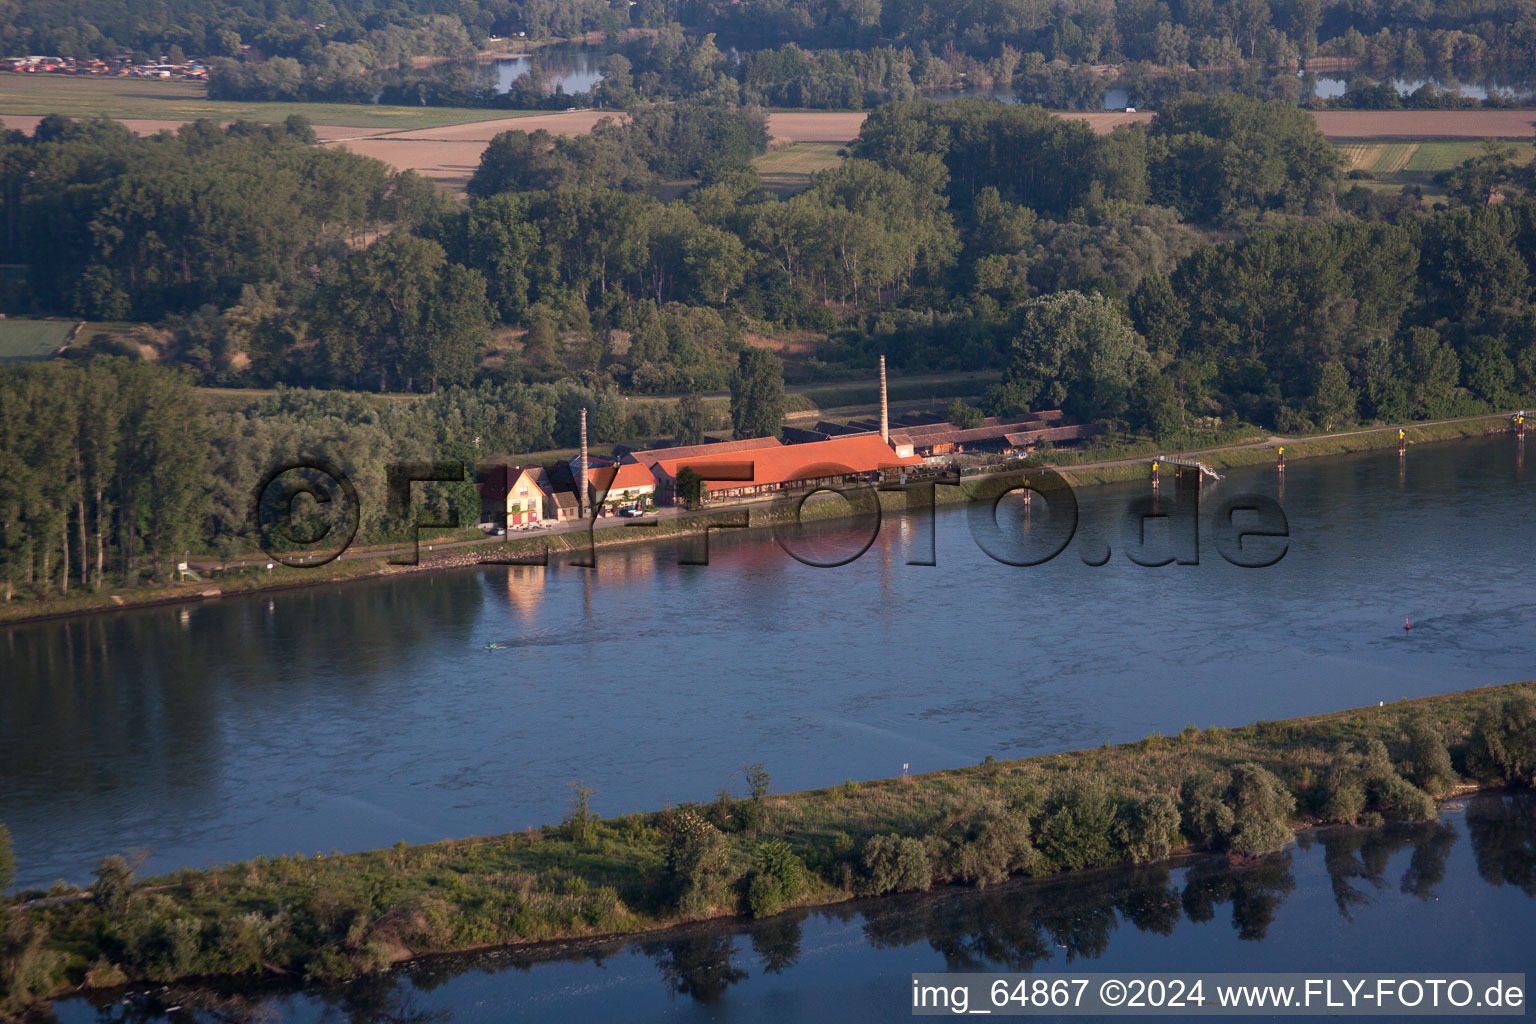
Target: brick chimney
[582, 501]
[885, 412]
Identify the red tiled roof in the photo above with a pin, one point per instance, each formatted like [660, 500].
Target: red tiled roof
[624, 478]
[835, 457]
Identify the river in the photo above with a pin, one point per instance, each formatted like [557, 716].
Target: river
[354, 715]
[1452, 895]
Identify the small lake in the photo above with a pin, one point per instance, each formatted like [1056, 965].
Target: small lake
[572, 69]
[1332, 86]
[1452, 895]
[352, 716]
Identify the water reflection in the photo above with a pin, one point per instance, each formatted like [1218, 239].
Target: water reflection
[1504, 841]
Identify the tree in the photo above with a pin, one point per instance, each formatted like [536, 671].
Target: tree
[1485, 178]
[690, 485]
[113, 885]
[697, 860]
[963, 414]
[1076, 826]
[400, 308]
[1432, 370]
[895, 863]
[1212, 157]
[1076, 352]
[758, 780]
[1333, 400]
[1490, 374]
[580, 820]
[7, 860]
[1503, 742]
[539, 344]
[757, 394]
[692, 420]
[1160, 412]
[1261, 811]
[716, 262]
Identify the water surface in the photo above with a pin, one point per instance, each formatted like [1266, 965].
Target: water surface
[355, 715]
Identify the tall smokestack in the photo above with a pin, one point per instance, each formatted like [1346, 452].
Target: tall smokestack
[581, 494]
[885, 411]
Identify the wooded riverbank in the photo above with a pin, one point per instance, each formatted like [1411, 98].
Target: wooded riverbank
[1098, 467]
[328, 917]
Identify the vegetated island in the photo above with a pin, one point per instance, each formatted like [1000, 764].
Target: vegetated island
[1239, 791]
[1090, 467]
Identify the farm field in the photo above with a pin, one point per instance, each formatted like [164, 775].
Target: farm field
[171, 103]
[1422, 125]
[445, 143]
[22, 339]
[788, 170]
[1395, 164]
[449, 154]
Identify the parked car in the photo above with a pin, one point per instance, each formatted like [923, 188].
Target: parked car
[631, 512]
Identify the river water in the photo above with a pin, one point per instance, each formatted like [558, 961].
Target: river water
[1454, 895]
[355, 715]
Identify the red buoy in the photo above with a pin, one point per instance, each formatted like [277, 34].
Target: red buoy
[1406, 626]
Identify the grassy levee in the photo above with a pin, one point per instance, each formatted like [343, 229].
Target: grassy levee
[328, 917]
[1081, 467]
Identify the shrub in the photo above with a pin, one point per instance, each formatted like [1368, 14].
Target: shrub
[696, 861]
[1503, 742]
[763, 896]
[1345, 801]
[1396, 797]
[778, 861]
[28, 970]
[1075, 827]
[246, 940]
[7, 860]
[1432, 771]
[895, 863]
[1375, 763]
[580, 820]
[1261, 811]
[779, 878]
[114, 881]
[1206, 818]
[986, 843]
[103, 973]
[1148, 829]
[750, 815]
[329, 964]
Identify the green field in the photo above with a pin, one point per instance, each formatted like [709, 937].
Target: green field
[32, 339]
[1393, 165]
[789, 170]
[1433, 157]
[142, 99]
[1415, 160]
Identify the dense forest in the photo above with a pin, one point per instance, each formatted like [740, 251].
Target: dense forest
[115, 468]
[1163, 33]
[828, 53]
[1215, 266]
